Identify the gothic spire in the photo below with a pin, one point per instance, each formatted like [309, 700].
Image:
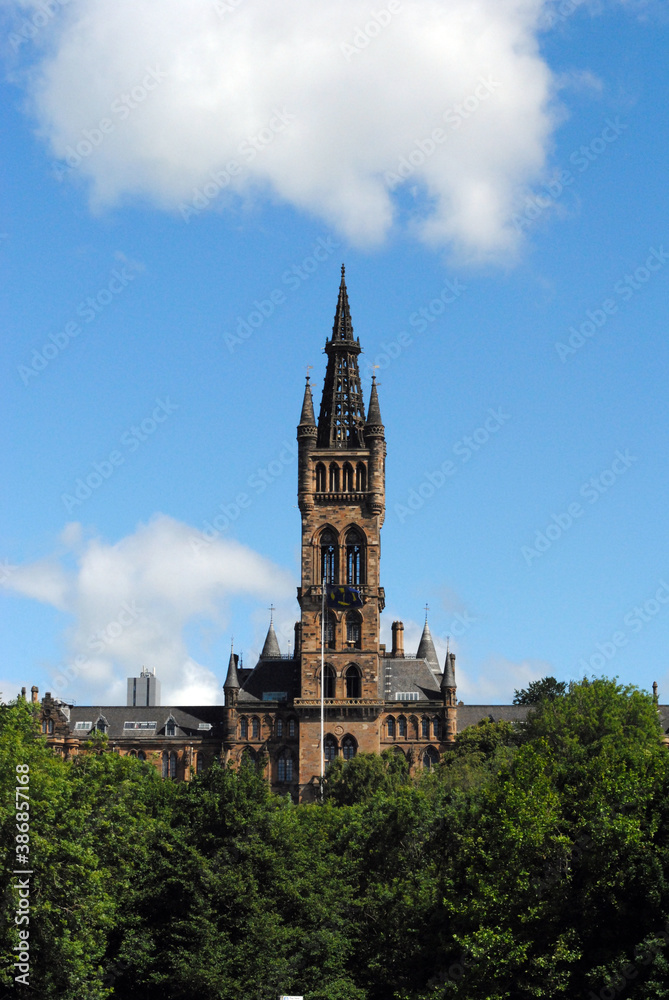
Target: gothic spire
[426, 650]
[307, 418]
[448, 680]
[270, 650]
[374, 425]
[342, 417]
[232, 680]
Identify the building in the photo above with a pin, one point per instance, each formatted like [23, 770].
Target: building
[375, 699]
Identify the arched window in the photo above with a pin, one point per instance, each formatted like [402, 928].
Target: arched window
[330, 630]
[430, 758]
[353, 685]
[360, 478]
[285, 768]
[328, 557]
[173, 764]
[436, 727]
[348, 747]
[141, 755]
[132, 753]
[390, 726]
[330, 748]
[353, 629]
[255, 728]
[291, 727]
[320, 478]
[170, 727]
[244, 728]
[402, 726]
[355, 557]
[425, 728]
[102, 725]
[334, 478]
[166, 763]
[348, 477]
[329, 687]
[199, 763]
[248, 758]
[279, 728]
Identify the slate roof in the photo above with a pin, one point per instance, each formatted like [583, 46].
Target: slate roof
[187, 720]
[470, 715]
[407, 673]
[270, 676]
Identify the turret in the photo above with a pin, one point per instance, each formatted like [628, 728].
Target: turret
[306, 442]
[375, 440]
[270, 650]
[448, 691]
[426, 650]
[231, 685]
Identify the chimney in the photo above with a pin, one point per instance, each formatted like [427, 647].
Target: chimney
[398, 639]
[34, 691]
[23, 693]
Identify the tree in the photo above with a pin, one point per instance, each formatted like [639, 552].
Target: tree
[546, 689]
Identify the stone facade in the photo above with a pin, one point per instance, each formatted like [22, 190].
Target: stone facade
[374, 700]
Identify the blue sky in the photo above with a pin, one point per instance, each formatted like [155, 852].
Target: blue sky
[180, 187]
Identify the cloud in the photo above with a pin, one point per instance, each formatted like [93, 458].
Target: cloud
[331, 107]
[132, 601]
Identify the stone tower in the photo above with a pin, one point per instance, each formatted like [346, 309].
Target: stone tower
[341, 496]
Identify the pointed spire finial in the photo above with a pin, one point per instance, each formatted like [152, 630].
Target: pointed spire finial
[427, 608]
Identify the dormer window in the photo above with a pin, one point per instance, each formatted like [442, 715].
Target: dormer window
[170, 727]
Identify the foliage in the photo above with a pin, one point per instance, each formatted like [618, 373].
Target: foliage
[530, 864]
[546, 689]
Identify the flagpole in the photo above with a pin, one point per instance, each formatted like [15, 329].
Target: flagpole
[322, 684]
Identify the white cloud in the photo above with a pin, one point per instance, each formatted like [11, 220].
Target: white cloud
[316, 103]
[131, 602]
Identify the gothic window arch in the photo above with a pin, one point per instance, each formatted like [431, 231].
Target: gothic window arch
[355, 557]
[244, 728]
[255, 728]
[402, 727]
[278, 729]
[102, 725]
[425, 728]
[436, 727]
[360, 478]
[330, 635]
[328, 550]
[430, 758]
[354, 630]
[170, 727]
[334, 477]
[348, 477]
[132, 753]
[173, 764]
[141, 755]
[330, 677]
[320, 478]
[248, 758]
[285, 767]
[292, 727]
[199, 763]
[390, 727]
[353, 681]
[330, 748]
[348, 747]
